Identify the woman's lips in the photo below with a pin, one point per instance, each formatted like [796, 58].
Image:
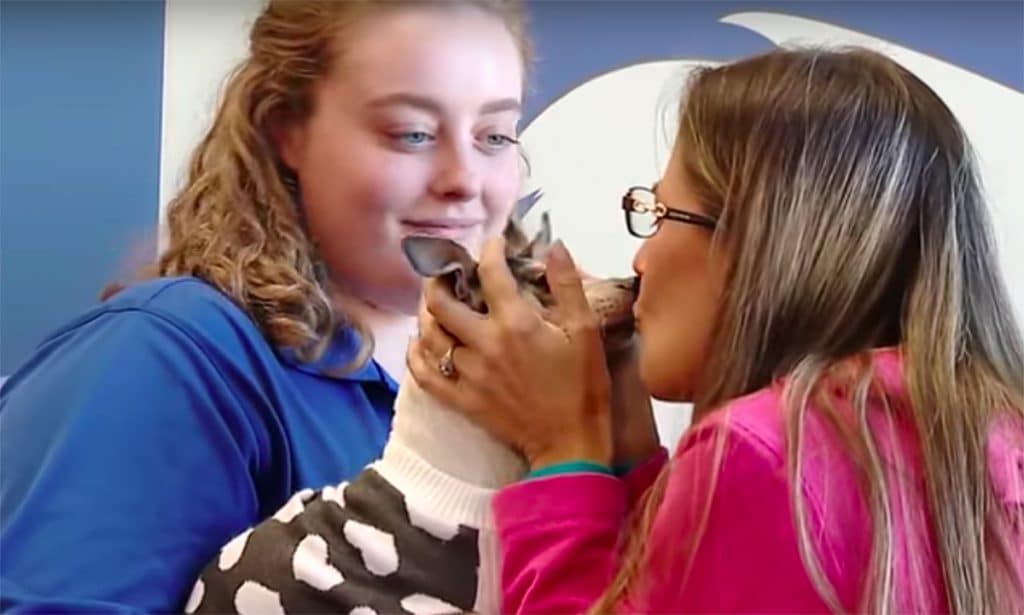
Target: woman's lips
[446, 228]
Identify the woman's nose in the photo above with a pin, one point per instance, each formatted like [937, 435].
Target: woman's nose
[640, 259]
[456, 177]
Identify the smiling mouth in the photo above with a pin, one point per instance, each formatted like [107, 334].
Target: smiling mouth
[441, 228]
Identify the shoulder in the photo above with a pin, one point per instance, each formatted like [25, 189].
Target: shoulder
[755, 420]
[162, 366]
[188, 302]
[733, 465]
[759, 431]
[751, 440]
[762, 419]
[158, 334]
[735, 452]
[162, 338]
[186, 312]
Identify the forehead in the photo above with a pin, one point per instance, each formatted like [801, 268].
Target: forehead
[456, 54]
[673, 188]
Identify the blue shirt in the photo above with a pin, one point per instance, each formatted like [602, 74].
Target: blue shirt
[144, 435]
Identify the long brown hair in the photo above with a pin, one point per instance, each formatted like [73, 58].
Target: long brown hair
[852, 218]
[236, 223]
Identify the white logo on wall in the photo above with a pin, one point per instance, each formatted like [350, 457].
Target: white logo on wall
[616, 129]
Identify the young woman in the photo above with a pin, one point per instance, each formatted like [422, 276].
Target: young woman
[143, 435]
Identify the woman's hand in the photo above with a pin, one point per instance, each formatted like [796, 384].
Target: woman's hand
[536, 380]
[634, 431]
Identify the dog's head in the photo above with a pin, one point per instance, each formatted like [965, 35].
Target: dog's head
[610, 298]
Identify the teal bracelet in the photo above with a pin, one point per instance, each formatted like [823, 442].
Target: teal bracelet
[622, 470]
[570, 467]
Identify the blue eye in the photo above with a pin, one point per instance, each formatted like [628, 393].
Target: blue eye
[415, 138]
[499, 141]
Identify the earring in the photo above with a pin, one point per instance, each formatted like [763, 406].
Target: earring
[320, 273]
[291, 183]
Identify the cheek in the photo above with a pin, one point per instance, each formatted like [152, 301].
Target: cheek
[502, 182]
[680, 300]
[375, 194]
[385, 179]
[330, 206]
[354, 177]
[393, 188]
[674, 352]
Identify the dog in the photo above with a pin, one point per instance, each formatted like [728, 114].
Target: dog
[413, 532]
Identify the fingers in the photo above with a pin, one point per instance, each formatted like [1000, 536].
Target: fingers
[566, 286]
[499, 287]
[432, 336]
[434, 343]
[448, 313]
[423, 366]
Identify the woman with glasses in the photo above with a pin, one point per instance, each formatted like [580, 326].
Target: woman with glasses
[818, 278]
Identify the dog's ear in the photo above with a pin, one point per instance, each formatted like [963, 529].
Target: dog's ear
[517, 244]
[515, 239]
[527, 269]
[540, 243]
[439, 257]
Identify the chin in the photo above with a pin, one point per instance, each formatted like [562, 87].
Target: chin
[674, 396]
[402, 296]
[665, 386]
[474, 245]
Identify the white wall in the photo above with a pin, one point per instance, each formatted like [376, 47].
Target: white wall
[203, 41]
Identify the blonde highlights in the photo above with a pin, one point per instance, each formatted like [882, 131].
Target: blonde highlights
[237, 223]
[853, 218]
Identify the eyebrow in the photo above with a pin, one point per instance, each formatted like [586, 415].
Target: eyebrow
[429, 104]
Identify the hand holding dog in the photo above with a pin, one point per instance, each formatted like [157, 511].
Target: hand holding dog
[536, 380]
[634, 432]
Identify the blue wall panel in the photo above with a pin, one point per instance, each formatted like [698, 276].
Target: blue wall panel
[80, 103]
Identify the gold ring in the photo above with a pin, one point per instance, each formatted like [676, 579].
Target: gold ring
[447, 364]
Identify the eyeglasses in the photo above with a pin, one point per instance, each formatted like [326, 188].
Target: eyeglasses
[644, 213]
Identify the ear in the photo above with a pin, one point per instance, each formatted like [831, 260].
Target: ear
[515, 238]
[527, 269]
[438, 257]
[435, 256]
[541, 241]
[289, 138]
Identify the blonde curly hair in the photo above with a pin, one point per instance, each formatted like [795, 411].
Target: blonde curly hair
[236, 224]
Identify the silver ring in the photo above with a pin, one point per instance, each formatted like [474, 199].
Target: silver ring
[447, 363]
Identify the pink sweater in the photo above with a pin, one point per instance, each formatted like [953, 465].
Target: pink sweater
[559, 552]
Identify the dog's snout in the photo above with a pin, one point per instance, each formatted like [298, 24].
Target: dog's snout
[630, 285]
[612, 299]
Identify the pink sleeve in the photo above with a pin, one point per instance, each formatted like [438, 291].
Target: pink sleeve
[559, 537]
[639, 479]
[740, 553]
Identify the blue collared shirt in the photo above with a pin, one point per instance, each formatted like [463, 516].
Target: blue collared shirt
[141, 437]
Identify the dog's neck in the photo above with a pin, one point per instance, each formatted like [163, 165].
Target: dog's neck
[450, 442]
